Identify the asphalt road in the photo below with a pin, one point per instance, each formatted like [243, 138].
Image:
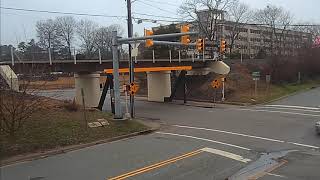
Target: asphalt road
[198, 143]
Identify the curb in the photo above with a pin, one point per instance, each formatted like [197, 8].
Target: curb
[42, 155]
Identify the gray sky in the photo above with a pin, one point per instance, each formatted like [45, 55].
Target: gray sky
[19, 26]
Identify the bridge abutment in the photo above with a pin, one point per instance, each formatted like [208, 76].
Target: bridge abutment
[159, 85]
[90, 83]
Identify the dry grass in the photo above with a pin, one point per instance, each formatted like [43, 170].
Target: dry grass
[54, 126]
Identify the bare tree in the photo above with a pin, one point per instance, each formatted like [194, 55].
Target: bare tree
[47, 33]
[239, 14]
[66, 26]
[277, 21]
[18, 107]
[103, 38]
[310, 28]
[87, 33]
[207, 14]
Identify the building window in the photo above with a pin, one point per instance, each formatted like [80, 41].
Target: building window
[255, 31]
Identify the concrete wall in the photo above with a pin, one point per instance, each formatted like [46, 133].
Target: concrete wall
[159, 85]
[9, 77]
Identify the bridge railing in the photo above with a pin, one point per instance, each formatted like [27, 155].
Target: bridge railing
[77, 56]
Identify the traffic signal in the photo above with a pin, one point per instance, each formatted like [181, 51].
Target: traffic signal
[186, 38]
[200, 45]
[149, 42]
[222, 46]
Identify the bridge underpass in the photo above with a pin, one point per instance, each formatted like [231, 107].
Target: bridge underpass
[87, 73]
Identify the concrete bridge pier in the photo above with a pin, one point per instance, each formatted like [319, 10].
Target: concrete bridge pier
[159, 85]
[90, 83]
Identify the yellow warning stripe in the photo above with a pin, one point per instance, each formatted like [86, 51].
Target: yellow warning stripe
[154, 166]
[151, 69]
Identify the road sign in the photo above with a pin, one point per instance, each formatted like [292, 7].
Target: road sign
[133, 88]
[256, 76]
[215, 84]
[268, 78]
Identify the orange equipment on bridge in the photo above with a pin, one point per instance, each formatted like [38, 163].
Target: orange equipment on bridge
[151, 69]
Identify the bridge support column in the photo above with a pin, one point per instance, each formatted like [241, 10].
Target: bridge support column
[90, 83]
[159, 85]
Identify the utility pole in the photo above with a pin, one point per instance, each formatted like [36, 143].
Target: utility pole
[131, 64]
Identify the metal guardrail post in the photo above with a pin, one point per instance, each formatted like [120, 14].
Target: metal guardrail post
[74, 56]
[12, 57]
[203, 59]
[179, 56]
[192, 56]
[99, 56]
[170, 57]
[153, 58]
[50, 60]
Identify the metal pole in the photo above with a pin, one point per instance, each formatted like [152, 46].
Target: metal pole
[203, 56]
[153, 58]
[170, 58]
[159, 36]
[179, 56]
[131, 64]
[256, 88]
[50, 60]
[84, 109]
[241, 55]
[74, 56]
[99, 56]
[223, 98]
[12, 57]
[118, 113]
[193, 56]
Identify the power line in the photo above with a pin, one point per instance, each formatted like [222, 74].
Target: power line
[156, 7]
[157, 16]
[164, 3]
[59, 12]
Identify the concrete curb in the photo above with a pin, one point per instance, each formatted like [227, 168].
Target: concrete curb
[41, 155]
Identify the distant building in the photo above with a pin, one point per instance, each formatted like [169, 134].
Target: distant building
[253, 39]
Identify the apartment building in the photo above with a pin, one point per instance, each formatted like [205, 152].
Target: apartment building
[252, 39]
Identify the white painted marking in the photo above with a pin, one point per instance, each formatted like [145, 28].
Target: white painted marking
[203, 139]
[226, 154]
[281, 108]
[276, 175]
[304, 145]
[228, 132]
[297, 107]
[282, 112]
[245, 135]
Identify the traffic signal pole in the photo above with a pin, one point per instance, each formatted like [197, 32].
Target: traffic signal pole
[115, 44]
[116, 82]
[131, 64]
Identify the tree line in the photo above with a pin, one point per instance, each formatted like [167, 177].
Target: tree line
[62, 35]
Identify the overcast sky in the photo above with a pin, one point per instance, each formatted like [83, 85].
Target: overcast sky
[19, 26]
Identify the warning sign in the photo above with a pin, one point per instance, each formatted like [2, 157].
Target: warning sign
[133, 88]
[215, 84]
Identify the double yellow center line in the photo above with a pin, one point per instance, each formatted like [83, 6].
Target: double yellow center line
[157, 165]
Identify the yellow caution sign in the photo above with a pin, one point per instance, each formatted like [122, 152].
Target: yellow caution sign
[215, 84]
[133, 88]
